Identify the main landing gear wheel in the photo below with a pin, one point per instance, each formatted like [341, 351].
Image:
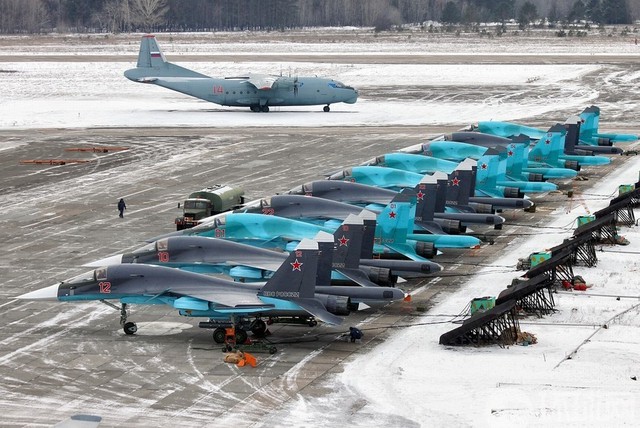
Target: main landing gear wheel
[255, 108]
[259, 328]
[241, 336]
[326, 108]
[219, 335]
[264, 109]
[130, 328]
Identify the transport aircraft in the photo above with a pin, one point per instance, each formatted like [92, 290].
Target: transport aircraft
[256, 91]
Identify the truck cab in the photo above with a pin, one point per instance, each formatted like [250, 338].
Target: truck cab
[207, 202]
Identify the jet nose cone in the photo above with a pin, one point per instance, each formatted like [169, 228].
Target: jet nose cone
[47, 293]
[107, 261]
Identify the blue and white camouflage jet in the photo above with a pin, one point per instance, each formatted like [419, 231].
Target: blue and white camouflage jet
[256, 91]
[291, 292]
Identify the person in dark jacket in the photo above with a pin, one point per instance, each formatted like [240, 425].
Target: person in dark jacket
[355, 334]
[121, 207]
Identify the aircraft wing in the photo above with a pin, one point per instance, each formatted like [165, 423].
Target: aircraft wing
[262, 81]
[225, 296]
[264, 265]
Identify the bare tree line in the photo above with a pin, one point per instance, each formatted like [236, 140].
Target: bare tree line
[33, 16]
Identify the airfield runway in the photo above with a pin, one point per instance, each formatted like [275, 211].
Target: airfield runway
[60, 359]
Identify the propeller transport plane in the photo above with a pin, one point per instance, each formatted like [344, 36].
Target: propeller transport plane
[256, 91]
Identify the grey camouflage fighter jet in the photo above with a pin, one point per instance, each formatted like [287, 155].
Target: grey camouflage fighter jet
[256, 91]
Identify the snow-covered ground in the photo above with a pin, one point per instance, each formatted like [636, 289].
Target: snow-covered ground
[410, 380]
[97, 94]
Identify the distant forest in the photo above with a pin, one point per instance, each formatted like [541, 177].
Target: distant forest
[43, 16]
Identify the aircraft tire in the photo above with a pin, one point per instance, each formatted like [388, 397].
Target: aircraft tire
[219, 335]
[264, 109]
[130, 328]
[255, 108]
[259, 328]
[241, 336]
[326, 109]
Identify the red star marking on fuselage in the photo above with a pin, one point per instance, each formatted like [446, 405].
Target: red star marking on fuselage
[510, 152]
[420, 195]
[547, 141]
[483, 166]
[455, 181]
[343, 241]
[392, 214]
[296, 265]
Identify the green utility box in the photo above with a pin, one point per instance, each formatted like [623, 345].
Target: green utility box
[482, 304]
[625, 188]
[537, 258]
[584, 219]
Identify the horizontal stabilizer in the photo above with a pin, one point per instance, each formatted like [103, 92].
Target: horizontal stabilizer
[317, 309]
[357, 276]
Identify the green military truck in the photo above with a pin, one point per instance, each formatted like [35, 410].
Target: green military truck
[207, 202]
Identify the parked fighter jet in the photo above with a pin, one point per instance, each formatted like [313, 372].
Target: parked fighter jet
[548, 151]
[247, 263]
[587, 137]
[291, 292]
[268, 231]
[258, 92]
[391, 178]
[589, 133]
[518, 164]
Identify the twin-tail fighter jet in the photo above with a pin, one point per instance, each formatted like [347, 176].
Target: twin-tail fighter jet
[587, 135]
[256, 91]
[291, 292]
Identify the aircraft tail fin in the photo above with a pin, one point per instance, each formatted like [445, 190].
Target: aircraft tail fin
[348, 243]
[426, 198]
[150, 54]
[295, 281]
[572, 138]
[369, 235]
[396, 220]
[459, 186]
[325, 259]
[590, 118]
[152, 64]
[487, 173]
[296, 277]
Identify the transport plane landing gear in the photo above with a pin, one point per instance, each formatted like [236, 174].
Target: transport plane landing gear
[326, 108]
[264, 109]
[128, 327]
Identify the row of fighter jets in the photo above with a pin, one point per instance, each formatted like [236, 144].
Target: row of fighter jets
[342, 243]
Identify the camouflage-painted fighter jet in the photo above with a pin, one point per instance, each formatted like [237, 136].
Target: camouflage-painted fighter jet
[258, 92]
[291, 292]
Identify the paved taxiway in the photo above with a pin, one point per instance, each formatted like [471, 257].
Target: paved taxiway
[61, 359]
